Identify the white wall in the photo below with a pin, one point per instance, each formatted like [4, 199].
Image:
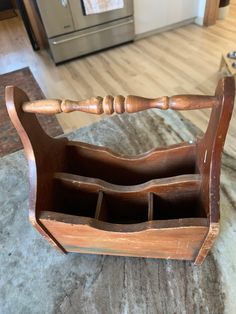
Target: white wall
[201, 8]
[201, 12]
[153, 14]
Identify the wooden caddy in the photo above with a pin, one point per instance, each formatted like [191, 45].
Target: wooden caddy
[162, 204]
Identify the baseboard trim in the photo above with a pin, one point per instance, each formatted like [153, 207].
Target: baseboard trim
[164, 29]
[199, 20]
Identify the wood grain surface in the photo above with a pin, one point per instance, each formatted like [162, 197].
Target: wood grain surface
[120, 104]
[135, 285]
[193, 193]
[84, 283]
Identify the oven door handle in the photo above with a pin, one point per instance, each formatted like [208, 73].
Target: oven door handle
[58, 42]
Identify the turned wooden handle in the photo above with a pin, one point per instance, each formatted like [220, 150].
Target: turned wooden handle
[120, 104]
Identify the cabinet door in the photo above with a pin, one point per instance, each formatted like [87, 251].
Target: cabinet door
[56, 16]
[181, 10]
[150, 15]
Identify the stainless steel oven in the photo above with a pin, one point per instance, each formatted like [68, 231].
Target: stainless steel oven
[71, 33]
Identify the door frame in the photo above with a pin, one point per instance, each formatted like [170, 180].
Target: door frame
[211, 12]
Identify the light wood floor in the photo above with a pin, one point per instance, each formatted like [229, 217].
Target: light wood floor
[184, 60]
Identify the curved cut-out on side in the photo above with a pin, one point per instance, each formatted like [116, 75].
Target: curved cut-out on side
[100, 162]
[175, 184]
[120, 228]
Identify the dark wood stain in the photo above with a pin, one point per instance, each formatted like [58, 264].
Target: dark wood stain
[84, 196]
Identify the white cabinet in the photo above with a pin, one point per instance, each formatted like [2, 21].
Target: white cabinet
[149, 15]
[153, 14]
[181, 10]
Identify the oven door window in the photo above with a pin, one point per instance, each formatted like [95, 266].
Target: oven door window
[82, 21]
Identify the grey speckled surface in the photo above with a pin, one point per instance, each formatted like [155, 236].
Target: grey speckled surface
[36, 279]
